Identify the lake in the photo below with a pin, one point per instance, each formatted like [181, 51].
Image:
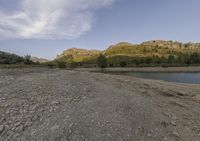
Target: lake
[192, 78]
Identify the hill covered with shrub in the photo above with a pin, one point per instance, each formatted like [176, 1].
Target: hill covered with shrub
[146, 53]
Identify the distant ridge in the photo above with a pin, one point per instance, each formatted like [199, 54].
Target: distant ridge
[39, 60]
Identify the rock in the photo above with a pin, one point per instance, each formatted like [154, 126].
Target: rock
[17, 124]
[149, 135]
[32, 111]
[7, 112]
[165, 138]
[55, 103]
[20, 128]
[6, 105]
[35, 117]
[55, 127]
[164, 123]
[1, 128]
[28, 123]
[6, 127]
[51, 109]
[71, 125]
[34, 107]
[176, 134]
[173, 123]
[126, 81]
[33, 132]
[181, 93]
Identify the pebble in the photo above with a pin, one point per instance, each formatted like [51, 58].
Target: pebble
[32, 111]
[54, 127]
[1, 129]
[20, 128]
[7, 105]
[181, 93]
[54, 103]
[165, 138]
[71, 125]
[173, 123]
[17, 124]
[7, 112]
[149, 135]
[28, 123]
[35, 118]
[176, 134]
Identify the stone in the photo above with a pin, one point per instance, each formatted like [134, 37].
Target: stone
[55, 127]
[28, 123]
[181, 93]
[176, 134]
[1, 128]
[71, 125]
[54, 103]
[149, 135]
[173, 123]
[17, 124]
[20, 128]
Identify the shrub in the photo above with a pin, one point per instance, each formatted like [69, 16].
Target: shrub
[102, 61]
[123, 64]
[27, 60]
[62, 64]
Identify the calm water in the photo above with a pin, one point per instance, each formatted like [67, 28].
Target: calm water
[193, 78]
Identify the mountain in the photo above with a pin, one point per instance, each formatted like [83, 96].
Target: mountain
[40, 60]
[78, 55]
[7, 58]
[122, 48]
[150, 52]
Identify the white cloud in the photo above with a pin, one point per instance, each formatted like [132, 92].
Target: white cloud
[50, 19]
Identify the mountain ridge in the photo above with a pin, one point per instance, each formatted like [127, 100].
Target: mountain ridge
[159, 51]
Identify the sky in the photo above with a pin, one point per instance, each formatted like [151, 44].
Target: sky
[45, 28]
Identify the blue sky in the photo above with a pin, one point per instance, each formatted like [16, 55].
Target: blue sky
[44, 28]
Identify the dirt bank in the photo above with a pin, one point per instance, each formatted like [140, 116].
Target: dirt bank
[60, 105]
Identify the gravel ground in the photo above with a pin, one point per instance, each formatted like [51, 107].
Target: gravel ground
[62, 105]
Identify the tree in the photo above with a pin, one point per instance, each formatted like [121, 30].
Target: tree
[195, 58]
[27, 60]
[62, 64]
[123, 64]
[102, 61]
[171, 59]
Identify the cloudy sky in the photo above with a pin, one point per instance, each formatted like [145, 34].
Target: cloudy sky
[45, 28]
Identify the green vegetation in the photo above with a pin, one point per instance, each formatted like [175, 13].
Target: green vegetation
[151, 53]
[102, 61]
[6, 59]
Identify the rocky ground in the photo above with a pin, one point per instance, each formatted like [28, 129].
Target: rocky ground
[63, 105]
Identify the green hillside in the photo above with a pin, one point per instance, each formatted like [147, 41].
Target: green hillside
[127, 54]
[78, 55]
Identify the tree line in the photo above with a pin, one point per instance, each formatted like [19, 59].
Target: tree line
[125, 61]
[14, 59]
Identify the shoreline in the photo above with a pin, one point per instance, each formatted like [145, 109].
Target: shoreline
[190, 69]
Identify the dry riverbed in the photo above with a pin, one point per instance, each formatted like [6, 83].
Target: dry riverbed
[62, 105]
